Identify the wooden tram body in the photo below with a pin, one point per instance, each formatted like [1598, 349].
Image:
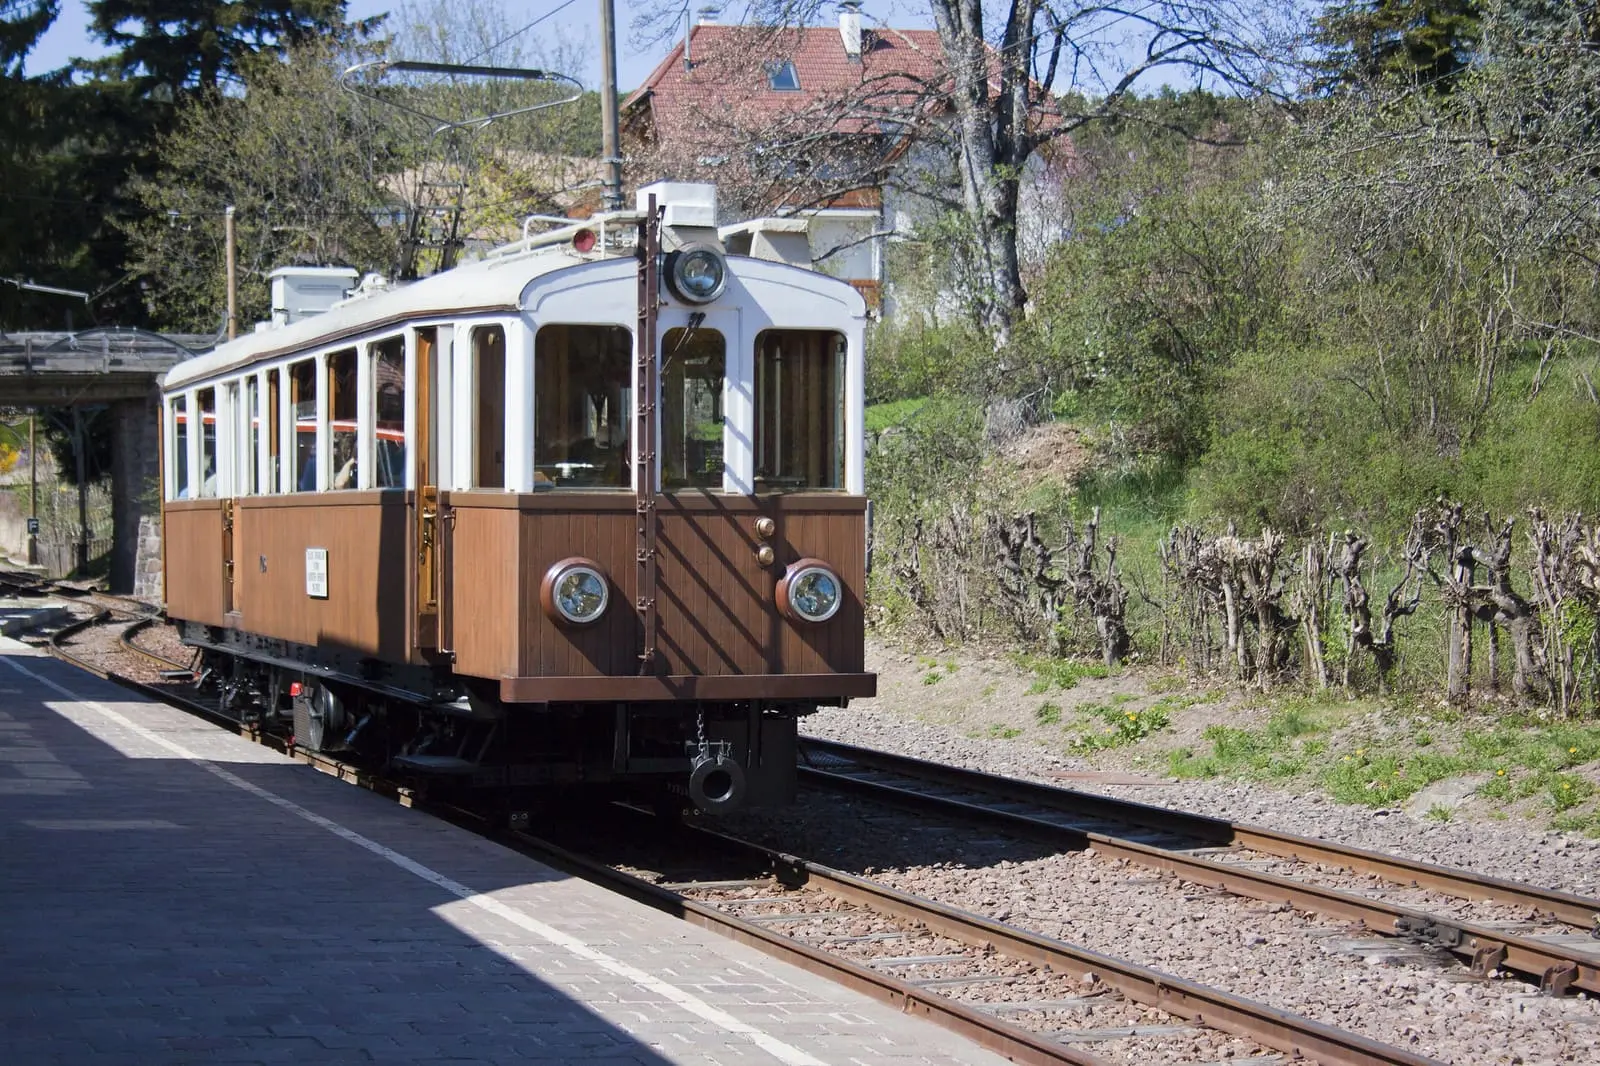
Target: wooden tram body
[373, 516]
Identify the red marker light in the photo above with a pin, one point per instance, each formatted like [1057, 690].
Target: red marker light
[295, 688]
[583, 240]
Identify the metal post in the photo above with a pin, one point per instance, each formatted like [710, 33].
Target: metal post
[33, 490]
[608, 105]
[83, 489]
[233, 274]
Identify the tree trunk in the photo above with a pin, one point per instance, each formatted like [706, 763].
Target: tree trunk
[991, 150]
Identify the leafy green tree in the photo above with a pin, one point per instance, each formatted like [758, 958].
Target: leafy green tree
[1427, 42]
[299, 159]
[170, 48]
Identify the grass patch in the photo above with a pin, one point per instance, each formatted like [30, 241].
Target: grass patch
[1048, 714]
[1003, 732]
[1285, 747]
[882, 416]
[1522, 760]
[1058, 673]
[1107, 726]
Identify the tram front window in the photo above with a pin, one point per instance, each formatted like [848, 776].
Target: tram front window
[799, 410]
[693, 368]
[583, 393]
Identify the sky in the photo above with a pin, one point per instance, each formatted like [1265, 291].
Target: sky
[69, 37]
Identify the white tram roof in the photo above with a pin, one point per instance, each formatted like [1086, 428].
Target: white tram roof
[494, 285]
[483, 287]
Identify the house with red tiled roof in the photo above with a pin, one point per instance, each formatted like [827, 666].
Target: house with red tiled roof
[817, 122]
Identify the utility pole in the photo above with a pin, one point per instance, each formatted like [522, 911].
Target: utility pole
[233, 274]
[609, 148]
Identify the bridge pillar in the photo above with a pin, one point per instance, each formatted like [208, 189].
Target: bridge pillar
[135, 490]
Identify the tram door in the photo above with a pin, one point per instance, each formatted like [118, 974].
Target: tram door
[425, 505]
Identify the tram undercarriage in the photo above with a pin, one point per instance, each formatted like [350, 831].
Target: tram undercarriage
[443, 734]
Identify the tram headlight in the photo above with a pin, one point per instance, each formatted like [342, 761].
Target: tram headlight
[575, 591]
[697, 273]
[810, 591]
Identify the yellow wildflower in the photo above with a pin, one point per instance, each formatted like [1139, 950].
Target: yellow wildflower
[1499, 773]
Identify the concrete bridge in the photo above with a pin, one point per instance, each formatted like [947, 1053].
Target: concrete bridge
[116, 370]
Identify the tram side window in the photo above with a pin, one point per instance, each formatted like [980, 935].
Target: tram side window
[179, 489]
[274, 430]
[489, 373]
[207, 401]
[583, 391]
[251, 420]
[343, 425]
[389, 413]
[303, 409]
[799, 410]
[693, 368]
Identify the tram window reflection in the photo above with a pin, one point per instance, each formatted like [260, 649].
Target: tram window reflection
[177, 413]
[583, 394]
[251, 437]
[799, 409]
[303, 408]
[274, 419]
[342, 419]
[489, 371]
[206, 400]
[693, 369]
[389, 413]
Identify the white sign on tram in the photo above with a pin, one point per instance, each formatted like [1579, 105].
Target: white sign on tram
[317, 573]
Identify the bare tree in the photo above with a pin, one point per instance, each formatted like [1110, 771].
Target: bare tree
[1011, 79]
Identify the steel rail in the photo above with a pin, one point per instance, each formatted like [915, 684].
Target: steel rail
[1568, 907]
[1269, 1026]
[1556, 967]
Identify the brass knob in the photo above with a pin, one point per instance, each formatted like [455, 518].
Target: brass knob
[765, 527]
[765, 555]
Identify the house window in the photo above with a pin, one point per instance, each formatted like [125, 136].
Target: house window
[783, 77]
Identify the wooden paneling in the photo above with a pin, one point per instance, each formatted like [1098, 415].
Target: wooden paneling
[483, 590]
[369, 571]
[195, 572]
[715, 601]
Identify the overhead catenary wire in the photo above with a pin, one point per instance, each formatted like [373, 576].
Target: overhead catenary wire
[518, 33]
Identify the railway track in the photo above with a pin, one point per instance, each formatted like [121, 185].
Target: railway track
[1032, 998]
[1559, 951]
[1035, 990]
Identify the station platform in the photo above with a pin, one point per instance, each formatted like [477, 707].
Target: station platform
[170, 893]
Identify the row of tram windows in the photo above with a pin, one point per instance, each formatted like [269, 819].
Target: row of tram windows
[583, 414]
[281, 403]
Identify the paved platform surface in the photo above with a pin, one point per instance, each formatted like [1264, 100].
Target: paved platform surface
[170, 893]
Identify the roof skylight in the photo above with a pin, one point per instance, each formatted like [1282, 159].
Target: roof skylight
[783, 77]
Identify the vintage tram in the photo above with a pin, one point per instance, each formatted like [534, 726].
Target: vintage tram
[587, 513]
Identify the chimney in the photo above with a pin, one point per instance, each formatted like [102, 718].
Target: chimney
[850, 27]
